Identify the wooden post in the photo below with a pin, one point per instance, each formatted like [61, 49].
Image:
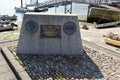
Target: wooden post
[55, 6]
[88, 11]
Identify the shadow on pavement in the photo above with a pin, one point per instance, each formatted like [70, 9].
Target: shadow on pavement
[60, 66]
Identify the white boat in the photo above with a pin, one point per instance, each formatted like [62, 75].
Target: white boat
[21, 9]
[25, 9]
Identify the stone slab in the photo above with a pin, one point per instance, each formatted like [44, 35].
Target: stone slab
[7, 76]
[16, 66]
[5, 71]
[49, 34]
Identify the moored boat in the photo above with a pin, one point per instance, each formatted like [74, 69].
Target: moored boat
[115, 4]
[112, 42]
[21, 9]
[113, 39]
[7, 17]
[40, 10]
[103, 15]
[7, 27]
[4, 22]
[106, 25]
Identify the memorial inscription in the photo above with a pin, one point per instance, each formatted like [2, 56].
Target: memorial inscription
[69, 28]
[31, 26]
[50, 31]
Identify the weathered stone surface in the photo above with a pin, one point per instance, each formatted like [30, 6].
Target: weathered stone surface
[56, 34]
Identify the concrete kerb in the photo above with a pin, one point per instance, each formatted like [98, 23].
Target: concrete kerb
[18, 70]
[101, 49]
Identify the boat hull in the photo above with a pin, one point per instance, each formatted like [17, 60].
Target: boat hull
[20, 10]
[6, 17]
[103, 15]
[5, 22]
[5, 29]
[112, 42]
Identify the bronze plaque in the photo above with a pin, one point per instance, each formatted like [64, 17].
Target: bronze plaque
[50, 31]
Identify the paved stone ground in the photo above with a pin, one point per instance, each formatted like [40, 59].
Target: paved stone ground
[5, 71]
[108, 65]
[93, 65]
[95, 36]
[59, 67]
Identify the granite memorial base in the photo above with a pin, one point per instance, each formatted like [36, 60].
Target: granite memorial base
[49, 34]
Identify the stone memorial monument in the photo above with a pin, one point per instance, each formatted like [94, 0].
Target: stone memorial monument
[49, 34]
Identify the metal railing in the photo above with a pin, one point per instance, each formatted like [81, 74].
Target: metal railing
[52, 2]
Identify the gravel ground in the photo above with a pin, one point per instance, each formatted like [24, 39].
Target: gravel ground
[63, 67]
[95, 36]
[60, 66]
[91, 65]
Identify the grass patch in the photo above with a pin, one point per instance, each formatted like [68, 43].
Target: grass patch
[12, 49]
[61, 76]
[11, 36]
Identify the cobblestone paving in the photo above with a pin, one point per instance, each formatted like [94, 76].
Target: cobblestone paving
[92, 65]
[108, 65]
[60, 66]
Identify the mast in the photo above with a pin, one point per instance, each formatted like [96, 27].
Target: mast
[37, 3]
[30, 1]
[21, 4]
[36, 7]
